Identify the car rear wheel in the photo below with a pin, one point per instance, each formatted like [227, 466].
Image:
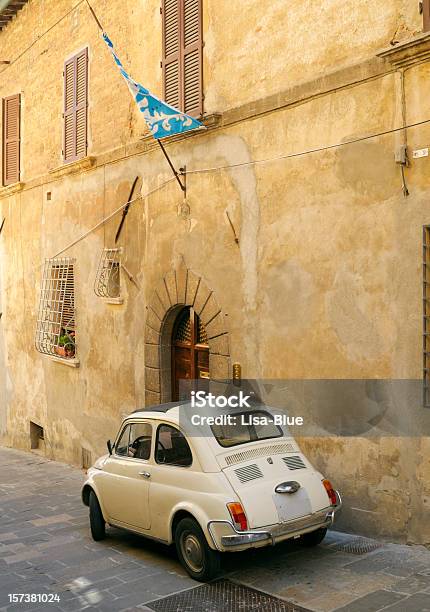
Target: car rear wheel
[313, 538]
[201, 562]
[97, 522]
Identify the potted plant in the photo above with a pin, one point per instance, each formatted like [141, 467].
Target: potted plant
[66, 345]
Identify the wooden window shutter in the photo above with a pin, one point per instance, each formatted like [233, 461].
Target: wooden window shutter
[183, 55]
[11, 139]
[75, 106]
[171, 48]
[426, 15]
[192, 57]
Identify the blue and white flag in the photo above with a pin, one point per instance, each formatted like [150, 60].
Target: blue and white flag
[163, 120]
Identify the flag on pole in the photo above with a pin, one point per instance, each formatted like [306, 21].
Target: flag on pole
[162, 119]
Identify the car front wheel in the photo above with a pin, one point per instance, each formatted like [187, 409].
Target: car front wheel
[201, 562]
[97, 522]
[313, 538]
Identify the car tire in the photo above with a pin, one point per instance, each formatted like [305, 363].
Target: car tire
[313, 538]
[201, 562]
[97, 522]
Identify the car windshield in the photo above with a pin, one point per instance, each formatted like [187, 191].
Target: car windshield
[247, 427]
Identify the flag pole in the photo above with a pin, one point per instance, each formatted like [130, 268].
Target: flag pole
[125, 209]
[175, 172]
[172, 167]
[95, 16]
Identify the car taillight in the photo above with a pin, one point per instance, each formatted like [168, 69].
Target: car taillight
[330, 492]
[238, 516]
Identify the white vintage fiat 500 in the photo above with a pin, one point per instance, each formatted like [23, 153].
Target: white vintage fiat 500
[215, 486]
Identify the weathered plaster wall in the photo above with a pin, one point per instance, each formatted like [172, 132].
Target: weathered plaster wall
[326, 281]
[289, 46]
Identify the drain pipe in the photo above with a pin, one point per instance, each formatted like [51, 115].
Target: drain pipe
[401, 138]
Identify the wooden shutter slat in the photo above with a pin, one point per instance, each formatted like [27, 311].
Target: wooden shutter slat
[171, 83]
[170, 60]
[69, 110]
[81, 79]
[170, 27]
[75, 106]
[191, 22]
[11, 139]
[192, 82]
[192, 57]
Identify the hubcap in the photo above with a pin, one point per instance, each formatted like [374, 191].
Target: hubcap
[192, 551]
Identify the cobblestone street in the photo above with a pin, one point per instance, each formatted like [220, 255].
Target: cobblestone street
[45, 548]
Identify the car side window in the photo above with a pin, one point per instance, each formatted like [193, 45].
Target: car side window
[121, 447]
[172, 447]
[135, 441]
[140, 441]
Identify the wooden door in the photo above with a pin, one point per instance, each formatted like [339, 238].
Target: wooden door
[190, 355]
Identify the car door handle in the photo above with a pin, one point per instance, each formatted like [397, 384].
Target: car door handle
[145, 474]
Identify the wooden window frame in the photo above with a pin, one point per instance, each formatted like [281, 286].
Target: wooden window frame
[426, 15]
[76, 107]
[5, 141]
[181, 54]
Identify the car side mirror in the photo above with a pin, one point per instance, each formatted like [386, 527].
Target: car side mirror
[109, 445]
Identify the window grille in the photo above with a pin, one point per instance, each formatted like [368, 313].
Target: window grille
[55, 331]
[107, 283]
[426, 316]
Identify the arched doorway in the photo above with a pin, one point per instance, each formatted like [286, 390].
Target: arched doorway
[190, 354]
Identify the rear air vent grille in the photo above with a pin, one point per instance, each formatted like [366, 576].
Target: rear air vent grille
[262, 451]
[293, 463]
[248, 472]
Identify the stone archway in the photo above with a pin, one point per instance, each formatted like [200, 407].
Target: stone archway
[181, 287]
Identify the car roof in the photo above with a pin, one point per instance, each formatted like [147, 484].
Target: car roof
[158, 408]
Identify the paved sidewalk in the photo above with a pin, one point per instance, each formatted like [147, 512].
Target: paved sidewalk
[45, 548]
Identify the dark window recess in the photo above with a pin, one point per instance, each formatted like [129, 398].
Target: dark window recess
[172, 447]
[11, 139]
[183, 55]
[36, 435]
[426, 15]
[75, 107]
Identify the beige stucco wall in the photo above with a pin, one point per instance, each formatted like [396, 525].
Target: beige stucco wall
[326, 281]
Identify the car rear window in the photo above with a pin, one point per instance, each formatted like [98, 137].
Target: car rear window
[248, 427]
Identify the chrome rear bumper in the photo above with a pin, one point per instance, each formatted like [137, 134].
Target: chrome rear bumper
[271, 535]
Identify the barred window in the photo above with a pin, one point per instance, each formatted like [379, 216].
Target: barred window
[55, 331]
[107, 283]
